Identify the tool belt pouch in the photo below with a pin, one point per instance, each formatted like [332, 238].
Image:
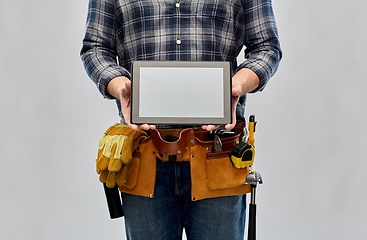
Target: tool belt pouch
[212, 174]
[140, 177]
[119, 160]
[141, 174]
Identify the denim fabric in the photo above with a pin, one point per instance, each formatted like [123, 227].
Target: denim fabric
[170, 211]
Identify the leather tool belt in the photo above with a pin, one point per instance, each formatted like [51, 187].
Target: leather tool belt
[212, 173]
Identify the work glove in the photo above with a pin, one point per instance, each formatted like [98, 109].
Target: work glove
[115, 153]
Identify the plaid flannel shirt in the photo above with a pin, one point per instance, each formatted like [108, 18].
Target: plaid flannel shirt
[119, 32]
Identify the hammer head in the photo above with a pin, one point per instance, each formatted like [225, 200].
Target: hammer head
[254, 178]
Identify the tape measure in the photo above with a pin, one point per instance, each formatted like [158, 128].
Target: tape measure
[242, 155]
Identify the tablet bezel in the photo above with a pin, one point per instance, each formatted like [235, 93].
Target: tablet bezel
[227, 94]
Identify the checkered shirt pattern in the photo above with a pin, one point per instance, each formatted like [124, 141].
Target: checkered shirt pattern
[119, 32]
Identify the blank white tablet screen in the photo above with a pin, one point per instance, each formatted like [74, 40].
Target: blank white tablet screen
[181, 92]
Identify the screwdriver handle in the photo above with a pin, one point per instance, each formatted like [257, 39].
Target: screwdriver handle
[251, 129]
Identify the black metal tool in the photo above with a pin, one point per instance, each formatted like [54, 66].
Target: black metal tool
[113, 201]
[253, 178]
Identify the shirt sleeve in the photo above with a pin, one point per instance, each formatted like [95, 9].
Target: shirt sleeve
[263, 52]
[98, 52]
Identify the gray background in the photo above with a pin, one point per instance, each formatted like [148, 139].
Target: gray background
[310, 139]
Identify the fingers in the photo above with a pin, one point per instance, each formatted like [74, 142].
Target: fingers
[147, 127]
[232, 125]
[142, 127]
[125, 104]
[125, 90]
[235, 91]
[132, 126]
[209, 127]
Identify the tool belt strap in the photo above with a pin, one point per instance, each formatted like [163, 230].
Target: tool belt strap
[186, 138]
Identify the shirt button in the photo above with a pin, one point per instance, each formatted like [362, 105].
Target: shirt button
[178, 42]
[177, 5]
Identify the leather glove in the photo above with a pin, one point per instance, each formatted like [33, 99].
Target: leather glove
[115, 153]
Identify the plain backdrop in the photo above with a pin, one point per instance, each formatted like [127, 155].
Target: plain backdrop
[310, 139]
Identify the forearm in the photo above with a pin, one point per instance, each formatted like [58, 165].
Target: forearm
[99, 53]
[245, 80]
[102, 68]
[263, 63]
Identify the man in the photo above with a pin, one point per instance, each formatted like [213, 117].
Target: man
[121, 31]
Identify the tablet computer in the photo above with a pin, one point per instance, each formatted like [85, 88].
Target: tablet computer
[181, 93]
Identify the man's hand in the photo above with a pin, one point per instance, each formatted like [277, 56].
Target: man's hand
[236, 94]
[120, 88]
[244, 81]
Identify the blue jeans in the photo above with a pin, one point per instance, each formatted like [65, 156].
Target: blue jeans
[164, 216]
